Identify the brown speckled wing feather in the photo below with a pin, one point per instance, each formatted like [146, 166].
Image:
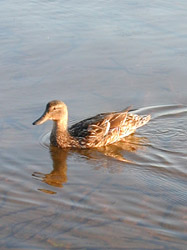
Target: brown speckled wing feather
[106, 128]
[99, 130]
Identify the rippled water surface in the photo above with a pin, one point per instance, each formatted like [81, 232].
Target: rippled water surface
[97, 56]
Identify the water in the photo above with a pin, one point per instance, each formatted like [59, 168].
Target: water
[97, 57]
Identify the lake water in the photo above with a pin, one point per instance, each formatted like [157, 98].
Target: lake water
[96, 56]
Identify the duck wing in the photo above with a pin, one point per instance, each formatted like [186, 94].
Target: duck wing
[100, 130]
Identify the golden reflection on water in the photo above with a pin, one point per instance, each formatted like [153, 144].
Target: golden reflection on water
[58, 176]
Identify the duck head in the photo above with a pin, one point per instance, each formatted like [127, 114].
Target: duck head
[56, 111]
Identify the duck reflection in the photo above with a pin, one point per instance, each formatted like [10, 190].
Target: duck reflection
[116, 151]
[58, 176]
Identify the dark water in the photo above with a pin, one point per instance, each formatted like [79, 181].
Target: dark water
[96, 56]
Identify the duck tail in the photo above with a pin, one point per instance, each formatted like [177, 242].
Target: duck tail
[143, 120]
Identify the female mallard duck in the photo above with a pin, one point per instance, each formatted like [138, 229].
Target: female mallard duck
[97, 131]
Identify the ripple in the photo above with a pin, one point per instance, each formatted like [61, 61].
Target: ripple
[162, 110]
[45, 140]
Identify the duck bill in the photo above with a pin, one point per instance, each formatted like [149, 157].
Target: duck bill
[42, 119]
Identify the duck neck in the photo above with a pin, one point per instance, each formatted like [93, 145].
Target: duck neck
[60, 125]
[59, 133]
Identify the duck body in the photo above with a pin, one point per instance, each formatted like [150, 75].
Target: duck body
[97, 131]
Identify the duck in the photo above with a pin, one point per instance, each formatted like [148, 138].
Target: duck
[94, 132]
